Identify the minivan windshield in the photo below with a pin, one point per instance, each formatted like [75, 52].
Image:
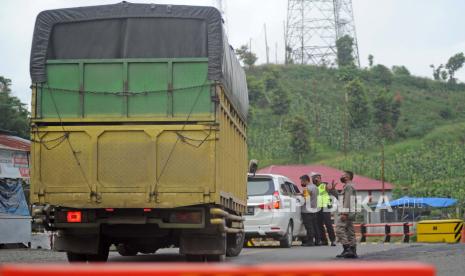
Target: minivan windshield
[260, 186]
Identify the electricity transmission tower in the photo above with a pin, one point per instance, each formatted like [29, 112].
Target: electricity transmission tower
[314, 26]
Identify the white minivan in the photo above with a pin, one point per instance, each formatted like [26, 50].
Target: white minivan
[273, 209]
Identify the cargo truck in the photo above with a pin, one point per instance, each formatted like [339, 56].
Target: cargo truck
[138, 131]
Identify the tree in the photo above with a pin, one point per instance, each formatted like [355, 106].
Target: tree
[280, 104]
[400, 70]
[271, 81]
[386, 113]
[13, 113]
[5, 85]
[357, 104]
[299, 137]
[444, 75]
[346, 74]
[345, 49]
[436, 71]
[381, 74]
[370, 60]
[288, 58]
[246, 56]
[395, 109]
[256, 92]
[454, 63]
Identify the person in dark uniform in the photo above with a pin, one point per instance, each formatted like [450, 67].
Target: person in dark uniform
[345, 230]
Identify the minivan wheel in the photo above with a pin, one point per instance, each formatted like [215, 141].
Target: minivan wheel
[286, 241]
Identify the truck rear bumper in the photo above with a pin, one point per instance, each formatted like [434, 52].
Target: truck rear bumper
[61, 218]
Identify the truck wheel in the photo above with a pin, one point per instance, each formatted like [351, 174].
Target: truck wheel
[195, 258]
[286, 241]
[215, 258]
[126, 250]
[101, 256]
[76, 257]
[234, 244]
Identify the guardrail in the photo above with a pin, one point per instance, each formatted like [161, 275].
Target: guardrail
[387, 231]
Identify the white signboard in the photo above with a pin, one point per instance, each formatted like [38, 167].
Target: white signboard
[14, 164]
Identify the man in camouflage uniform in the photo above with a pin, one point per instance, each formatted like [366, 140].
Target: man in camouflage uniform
[345, 231]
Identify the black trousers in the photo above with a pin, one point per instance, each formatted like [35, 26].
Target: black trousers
[324, 220]
[310, 221]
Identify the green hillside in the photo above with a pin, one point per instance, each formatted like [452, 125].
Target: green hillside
[421, 121]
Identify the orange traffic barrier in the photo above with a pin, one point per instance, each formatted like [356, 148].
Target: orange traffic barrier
[406, 234]
[289, 269]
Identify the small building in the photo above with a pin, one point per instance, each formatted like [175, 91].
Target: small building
[365, 186]
[15, 222]
[14, 157]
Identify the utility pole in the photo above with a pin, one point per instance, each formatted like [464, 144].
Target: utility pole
[250, 45]
[286, 60]
[276, 52]
[317, 109]
[382, 168]
[346, 123]
[266, 45]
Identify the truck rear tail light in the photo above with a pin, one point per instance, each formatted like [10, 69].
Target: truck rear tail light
[187, 217]
[265, 206]
[109, 209]
[74, 216]
[276, 201]
[147, 210]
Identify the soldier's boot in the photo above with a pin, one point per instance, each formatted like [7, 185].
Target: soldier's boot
[344, 252]
[351, 253]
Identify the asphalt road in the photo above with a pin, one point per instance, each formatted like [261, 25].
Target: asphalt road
[448, 259]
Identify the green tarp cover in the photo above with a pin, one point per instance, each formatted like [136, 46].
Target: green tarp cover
[128, 30]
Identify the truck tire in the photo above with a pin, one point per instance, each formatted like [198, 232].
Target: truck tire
[215, 258]
[234, 244]
[286, 241]
[76, 257]
[126, 250]
[101, 256]
[205, 258]
[195, 258]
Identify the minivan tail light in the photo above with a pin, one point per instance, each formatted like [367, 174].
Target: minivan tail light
[276, 201]
[74, 216]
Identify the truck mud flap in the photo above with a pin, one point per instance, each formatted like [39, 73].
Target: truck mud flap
[83, 244]
[201, 244]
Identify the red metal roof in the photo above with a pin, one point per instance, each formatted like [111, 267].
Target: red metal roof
[10, 142]
[328, 174]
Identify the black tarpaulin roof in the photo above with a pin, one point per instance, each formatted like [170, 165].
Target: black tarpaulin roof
[127, 30]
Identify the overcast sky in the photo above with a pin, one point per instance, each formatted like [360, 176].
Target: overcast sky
[414, 33]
